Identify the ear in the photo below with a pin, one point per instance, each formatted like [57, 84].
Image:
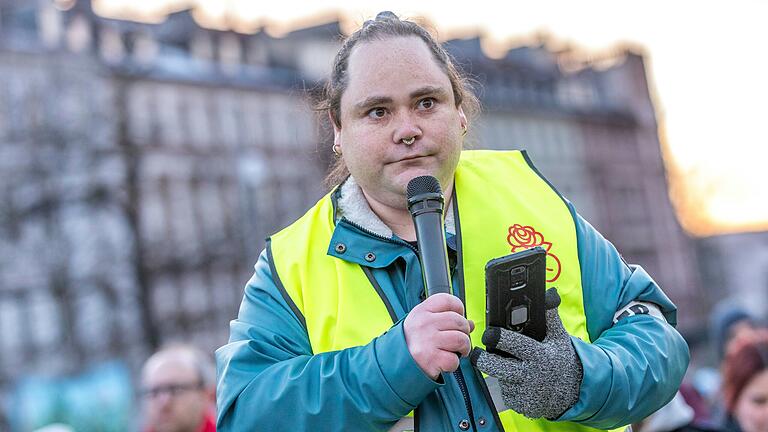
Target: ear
[463, 118]
[336, 130]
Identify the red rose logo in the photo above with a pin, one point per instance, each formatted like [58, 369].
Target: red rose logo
[525, 237]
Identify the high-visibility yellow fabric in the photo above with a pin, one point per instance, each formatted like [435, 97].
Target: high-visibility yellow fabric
[504, 206]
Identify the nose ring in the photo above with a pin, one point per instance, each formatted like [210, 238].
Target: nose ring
[408, 141]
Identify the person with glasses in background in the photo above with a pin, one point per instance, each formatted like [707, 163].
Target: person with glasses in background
[178, 389]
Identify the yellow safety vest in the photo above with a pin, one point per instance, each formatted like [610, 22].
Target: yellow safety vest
[504, 205]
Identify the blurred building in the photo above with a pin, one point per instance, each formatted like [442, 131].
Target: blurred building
[67, 283]
[734, 268]
[589, 125]
[143, 165]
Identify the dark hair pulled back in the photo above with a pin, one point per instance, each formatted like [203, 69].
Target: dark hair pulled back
[386, 25]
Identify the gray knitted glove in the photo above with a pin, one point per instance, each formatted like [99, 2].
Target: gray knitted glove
[542, 379]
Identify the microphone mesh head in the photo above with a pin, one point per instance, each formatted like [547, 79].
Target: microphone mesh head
[423, 184]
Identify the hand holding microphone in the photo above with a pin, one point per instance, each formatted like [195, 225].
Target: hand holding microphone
[436, 331]
[437, 334]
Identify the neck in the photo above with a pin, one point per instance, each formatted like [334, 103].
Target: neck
[397, 218]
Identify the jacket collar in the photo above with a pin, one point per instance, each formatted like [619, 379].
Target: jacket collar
[352, 205]
[360, 236]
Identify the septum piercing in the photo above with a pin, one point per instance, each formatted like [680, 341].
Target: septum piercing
[408, 141]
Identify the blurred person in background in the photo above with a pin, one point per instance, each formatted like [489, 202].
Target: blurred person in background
[335, 331]
[178, 387]
[728, 320]
[676, 416]
[745, 382]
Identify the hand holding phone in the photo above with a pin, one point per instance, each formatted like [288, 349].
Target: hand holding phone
[515, 286]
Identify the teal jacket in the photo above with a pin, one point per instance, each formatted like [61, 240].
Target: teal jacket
[269, 378]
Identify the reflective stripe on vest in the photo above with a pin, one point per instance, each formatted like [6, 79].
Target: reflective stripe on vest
[504, 206]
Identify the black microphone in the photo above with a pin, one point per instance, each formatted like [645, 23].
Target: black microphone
[425, 202]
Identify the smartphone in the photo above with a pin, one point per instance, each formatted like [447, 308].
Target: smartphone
[515, 286]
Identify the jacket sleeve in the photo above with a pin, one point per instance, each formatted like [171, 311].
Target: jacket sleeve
[269, 379]
[634, 367]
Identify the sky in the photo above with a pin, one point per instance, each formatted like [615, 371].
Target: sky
[706, 60]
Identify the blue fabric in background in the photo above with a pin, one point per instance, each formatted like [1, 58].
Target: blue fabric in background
[99, 399]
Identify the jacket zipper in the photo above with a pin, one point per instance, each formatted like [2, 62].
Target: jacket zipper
[416, 412]
[457, 373]
[465, 393]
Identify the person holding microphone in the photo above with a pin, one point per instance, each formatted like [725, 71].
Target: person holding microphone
[335, 331]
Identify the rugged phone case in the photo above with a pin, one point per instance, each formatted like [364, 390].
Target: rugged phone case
[515, 286]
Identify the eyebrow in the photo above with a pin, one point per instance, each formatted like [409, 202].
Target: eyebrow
[428, 90]
[382, 100]
[372, 101]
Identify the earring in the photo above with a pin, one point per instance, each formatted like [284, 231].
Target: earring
[336, 149]
[464, 130]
